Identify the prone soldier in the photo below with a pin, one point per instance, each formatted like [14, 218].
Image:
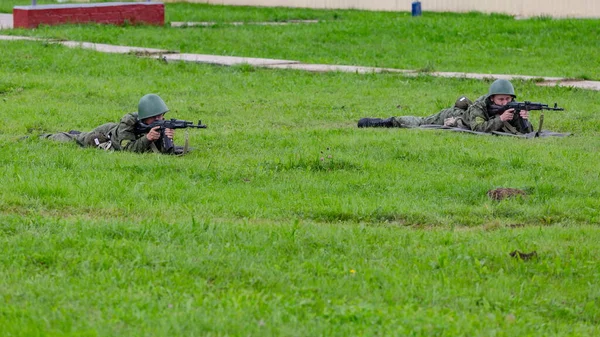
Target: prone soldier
[132, 133]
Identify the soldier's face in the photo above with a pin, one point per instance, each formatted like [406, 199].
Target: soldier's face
[501, 99]
[149, 120]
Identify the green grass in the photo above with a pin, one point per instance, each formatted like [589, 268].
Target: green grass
[286, 219]
[471, 42]
[208, 278]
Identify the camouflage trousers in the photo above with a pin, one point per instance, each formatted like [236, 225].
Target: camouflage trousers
[437, 119]
[99, 137]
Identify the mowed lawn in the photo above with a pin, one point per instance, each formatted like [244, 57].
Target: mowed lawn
[286, 219]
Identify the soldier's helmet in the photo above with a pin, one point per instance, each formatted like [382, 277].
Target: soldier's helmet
[502, 87]
[151, 105]
[463, 102]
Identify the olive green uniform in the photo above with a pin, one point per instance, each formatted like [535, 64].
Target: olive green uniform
[437, 119]
[448, 117]
[120, 136]
[480, 118]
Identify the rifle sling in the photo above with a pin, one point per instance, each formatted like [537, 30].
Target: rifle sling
[511, 128]
[154, 148]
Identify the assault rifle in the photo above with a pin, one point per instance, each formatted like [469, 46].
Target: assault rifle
[528, 106]
[173, 123]
[518, 106]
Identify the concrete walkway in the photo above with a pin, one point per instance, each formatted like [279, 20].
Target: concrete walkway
[270, 23]
[224, 60]
[171, 56]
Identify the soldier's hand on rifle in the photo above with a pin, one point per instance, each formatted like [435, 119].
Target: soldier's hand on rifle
[507, 115]
[524, 114]
[154, 134]
[169, 133]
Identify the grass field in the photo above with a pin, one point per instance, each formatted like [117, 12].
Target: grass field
[286, 219]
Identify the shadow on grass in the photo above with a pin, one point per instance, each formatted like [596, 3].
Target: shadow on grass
[322, 164]
[376, 217]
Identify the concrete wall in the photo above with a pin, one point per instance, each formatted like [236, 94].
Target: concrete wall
[524, 8]
[110, 13]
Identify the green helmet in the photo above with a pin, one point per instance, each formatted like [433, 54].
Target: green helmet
[151, 105]
[502, 87]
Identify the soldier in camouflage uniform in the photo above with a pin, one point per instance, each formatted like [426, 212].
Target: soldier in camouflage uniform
[122, 136]
[449, 117]
[483, 115]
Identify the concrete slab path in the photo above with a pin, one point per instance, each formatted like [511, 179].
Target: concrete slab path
[108, 48]
[17, 38]
[322, 68]
[224, 60]
[269, 23]
[100, 47]
[591, 85]
[171, 56]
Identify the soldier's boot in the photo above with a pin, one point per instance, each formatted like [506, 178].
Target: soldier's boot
[376, 123]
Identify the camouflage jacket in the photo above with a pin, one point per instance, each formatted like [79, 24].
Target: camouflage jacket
[124, 138]
[479, 119]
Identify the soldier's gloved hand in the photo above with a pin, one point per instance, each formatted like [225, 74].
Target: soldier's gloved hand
[169, 133]
[507, 115]
[154, 134]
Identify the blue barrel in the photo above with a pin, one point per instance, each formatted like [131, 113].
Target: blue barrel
[416, 8]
